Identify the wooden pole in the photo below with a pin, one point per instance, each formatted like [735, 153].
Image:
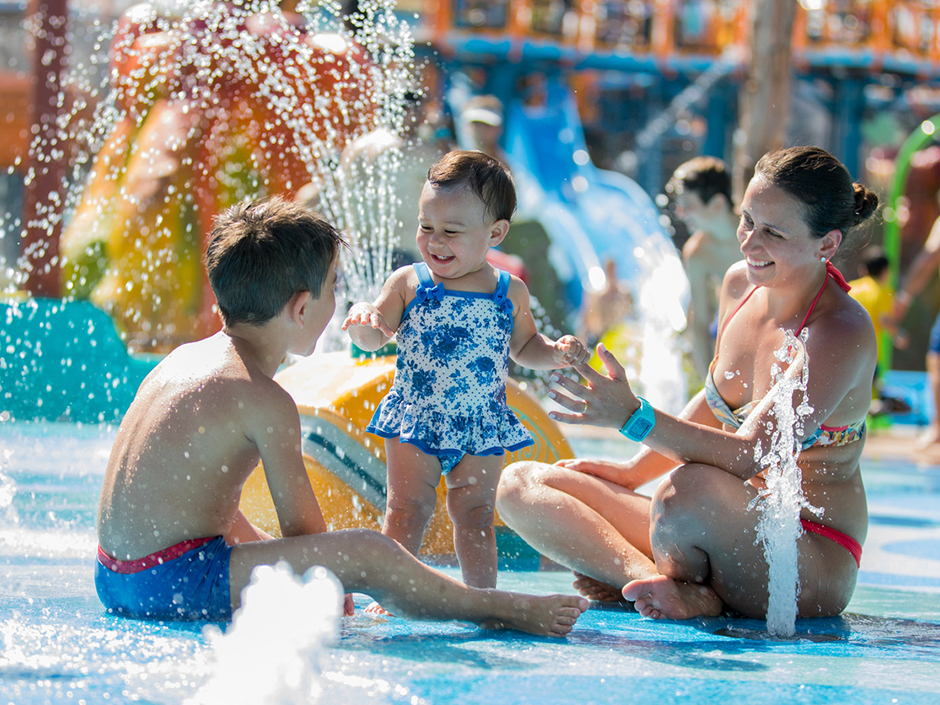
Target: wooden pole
[45, 191]
[765, 95]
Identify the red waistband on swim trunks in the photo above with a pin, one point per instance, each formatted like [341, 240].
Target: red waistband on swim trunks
[157, 558]
[847, 542]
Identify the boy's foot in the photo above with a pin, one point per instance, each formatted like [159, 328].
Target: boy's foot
[549, 615]
[595, 590]
[660, 597]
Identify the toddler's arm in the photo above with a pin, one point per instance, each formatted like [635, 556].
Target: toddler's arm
[530, 348]
[367, 327]
[370, 326]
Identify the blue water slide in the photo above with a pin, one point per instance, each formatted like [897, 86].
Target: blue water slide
[591, 214]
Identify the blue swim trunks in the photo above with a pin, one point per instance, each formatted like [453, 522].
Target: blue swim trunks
[188, 581]
[934, 345]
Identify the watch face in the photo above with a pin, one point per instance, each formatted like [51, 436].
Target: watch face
[641, 427]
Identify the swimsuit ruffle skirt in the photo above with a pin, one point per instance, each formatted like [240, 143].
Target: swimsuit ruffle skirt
[449, 393]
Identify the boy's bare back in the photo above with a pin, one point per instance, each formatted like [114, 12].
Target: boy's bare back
[186, 446]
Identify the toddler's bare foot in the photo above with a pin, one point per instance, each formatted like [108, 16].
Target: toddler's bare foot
[376, 610]
[596, 590]
[661, 597]
[549, 615]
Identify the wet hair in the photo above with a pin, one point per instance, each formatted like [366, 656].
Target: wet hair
[262, 252]
[829, 198]
[874, 261]
[481, 174]
[706, 177]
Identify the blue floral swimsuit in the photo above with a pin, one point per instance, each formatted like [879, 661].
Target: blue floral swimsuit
[449, 394]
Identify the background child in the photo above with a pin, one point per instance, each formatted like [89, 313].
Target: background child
[458, 320]
[173, 543]
[874, 292]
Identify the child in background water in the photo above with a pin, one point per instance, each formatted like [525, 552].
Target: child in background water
[458, 320]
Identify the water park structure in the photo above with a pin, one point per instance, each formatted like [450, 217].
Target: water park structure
[198, 126]
[583, 82]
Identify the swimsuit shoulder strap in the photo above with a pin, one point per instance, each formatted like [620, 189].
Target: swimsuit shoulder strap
[502, 284]
[733, 313]
[424, 274]
[834, 273]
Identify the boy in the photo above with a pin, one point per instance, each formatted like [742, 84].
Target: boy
[173, 543]
[701, 192]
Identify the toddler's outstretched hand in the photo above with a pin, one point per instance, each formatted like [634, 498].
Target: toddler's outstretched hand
[367, 326]
[364, 314]
[571, 351]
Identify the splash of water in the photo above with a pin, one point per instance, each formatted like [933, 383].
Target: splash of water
[274, 650]
[781, 499]
[188, 107]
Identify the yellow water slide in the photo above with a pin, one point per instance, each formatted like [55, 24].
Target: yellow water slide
[337, 395]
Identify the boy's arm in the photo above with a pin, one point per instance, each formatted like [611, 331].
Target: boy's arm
[530, 348]
[243, 531]
[370, 326]
[277, 436]
[700, 313]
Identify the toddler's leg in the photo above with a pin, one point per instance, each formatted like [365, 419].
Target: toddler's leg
[471, 502]
[413, 477]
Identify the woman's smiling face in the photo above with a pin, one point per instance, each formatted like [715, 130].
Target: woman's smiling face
[775, 240]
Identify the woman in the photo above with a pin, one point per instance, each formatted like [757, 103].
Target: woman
[691, 549]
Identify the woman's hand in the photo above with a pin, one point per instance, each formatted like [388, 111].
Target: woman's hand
[604, 400]
[612, 471]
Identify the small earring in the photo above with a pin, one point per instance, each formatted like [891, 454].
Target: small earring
[823, 260]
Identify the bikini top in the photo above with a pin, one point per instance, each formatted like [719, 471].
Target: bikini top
[824, 435]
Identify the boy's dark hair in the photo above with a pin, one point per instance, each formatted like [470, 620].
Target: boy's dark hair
[261, 253]
[874, 261]
[480, 173]
[706, 177]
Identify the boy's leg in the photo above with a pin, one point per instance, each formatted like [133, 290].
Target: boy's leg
[366, 561]
[932, 435]
[471, 502]
[413, 477]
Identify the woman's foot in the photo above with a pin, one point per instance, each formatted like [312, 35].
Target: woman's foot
[661, 597]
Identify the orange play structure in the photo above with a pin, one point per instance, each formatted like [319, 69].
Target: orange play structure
[210, 110]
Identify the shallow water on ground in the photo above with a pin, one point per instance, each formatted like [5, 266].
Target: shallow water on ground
[59, 645]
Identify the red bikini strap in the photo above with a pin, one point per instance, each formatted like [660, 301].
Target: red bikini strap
[736, 309]
[833, 272]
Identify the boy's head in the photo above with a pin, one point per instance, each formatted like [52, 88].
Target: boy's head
[695, 183]
[263, 252]
[874, 262]
[483, 117]
[482, 175]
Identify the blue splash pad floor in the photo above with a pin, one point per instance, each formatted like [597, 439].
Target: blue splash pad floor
[58, 645]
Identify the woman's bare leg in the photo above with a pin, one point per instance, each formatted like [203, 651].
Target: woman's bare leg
[703, 539]
[366, 561]
[598, 529]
